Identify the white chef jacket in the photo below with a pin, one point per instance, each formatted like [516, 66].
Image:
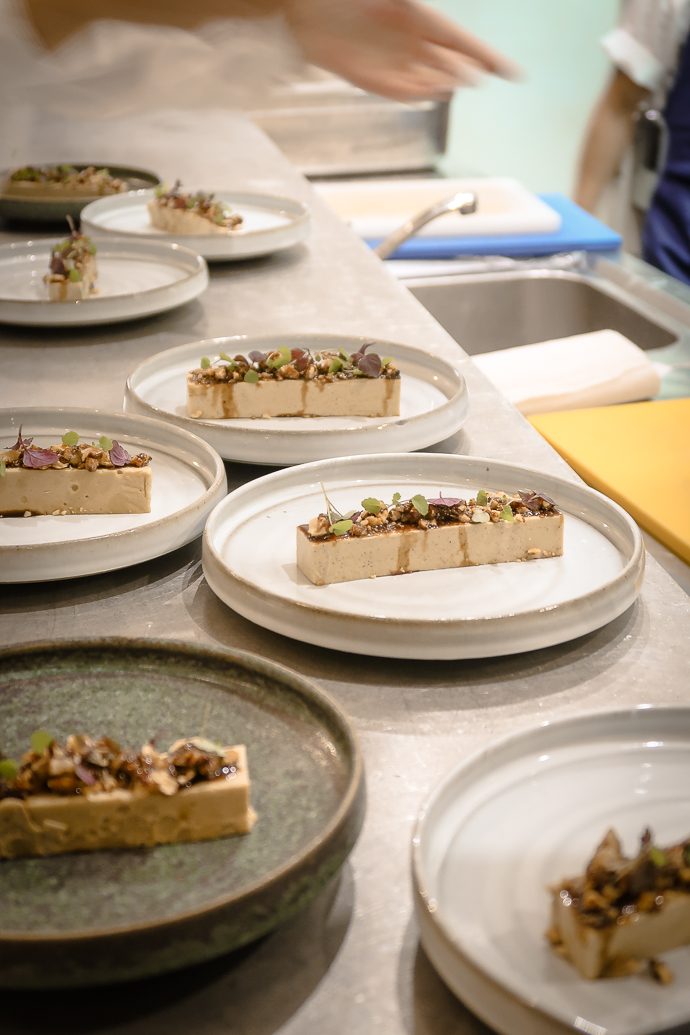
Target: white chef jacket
[646, 43]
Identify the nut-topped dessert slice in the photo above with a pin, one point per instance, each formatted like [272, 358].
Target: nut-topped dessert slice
[423, 534]
[622, 911]
[73, 478]
[90, 794]
[178, 213]
[72, 273]
[295, 383]
[61, 181]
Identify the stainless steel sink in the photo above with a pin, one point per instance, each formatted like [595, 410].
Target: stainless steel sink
[498, 310]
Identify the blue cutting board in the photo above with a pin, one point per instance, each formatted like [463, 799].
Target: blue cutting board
[578, 231]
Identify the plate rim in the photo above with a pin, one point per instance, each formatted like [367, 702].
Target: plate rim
[298, 219]
[273, 669]
[474, 760]
[218, 471]
[258, 432]
[417, 623]
[190, 275]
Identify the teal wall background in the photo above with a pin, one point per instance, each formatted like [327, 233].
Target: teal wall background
[530, 130]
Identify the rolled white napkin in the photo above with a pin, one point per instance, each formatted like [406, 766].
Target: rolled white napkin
[596, 369]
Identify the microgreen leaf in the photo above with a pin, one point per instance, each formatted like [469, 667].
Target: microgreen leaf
[480, 517]
[119, 455]
[345, 355]
[444, 501]
[420, 505]
[481, 498]
[40, 740]
[3, 465]
[371, 505]
[340, 527]
[75, 275]
[8, 769]
[39, 457]
[396, 497]
[105, 442]
[335, 366]
[205, 363]
[657, 856]
[386, 361]
[70, 438]
[507, 513]
[251, 377]
[370, 365]
[224, 355]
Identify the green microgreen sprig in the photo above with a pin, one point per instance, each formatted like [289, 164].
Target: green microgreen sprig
[70, 438]
[40, 740]
[8, 769]
[482, 498]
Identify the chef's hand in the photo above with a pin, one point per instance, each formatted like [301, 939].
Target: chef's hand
[400, 49]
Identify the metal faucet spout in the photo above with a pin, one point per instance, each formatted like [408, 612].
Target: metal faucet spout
[463, 203]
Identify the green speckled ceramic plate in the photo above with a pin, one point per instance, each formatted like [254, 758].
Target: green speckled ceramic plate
[97, 917]
[47, 208]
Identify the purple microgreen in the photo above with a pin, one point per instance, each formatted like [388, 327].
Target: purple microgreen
[420, 505]
[369, 365]
[356, 515]
[546, 499]
[3, 466]
[85, 776]
[205, 363]
[8, 769]
[251, 377]
[371, 505]
[119, 455]
[507, 513]
[25, 442]
[479, 517]
[340, 527]
[39, 457]
[301, 358]
[105, 442]
[481, 498]
[442, 501]
[257, 357]
[70, 438]
[40, 740]
[335, 366]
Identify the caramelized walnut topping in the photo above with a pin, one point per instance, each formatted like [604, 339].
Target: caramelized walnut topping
[284, 364]
[87, 765]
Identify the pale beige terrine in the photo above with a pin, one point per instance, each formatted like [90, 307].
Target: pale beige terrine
[355, 396]
[52, 824]
[345, 558]
[108, 490]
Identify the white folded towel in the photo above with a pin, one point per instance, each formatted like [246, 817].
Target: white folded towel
[597, 369]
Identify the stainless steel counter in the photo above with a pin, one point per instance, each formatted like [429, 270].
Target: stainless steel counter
[351, 962]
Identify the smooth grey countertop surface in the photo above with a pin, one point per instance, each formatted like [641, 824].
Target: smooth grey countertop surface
[351, 962]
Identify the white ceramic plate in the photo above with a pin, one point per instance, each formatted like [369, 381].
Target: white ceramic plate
[522, 814]
[482, 611]
[434, 404]
[133, 280]
[270, 223]
[188, 479]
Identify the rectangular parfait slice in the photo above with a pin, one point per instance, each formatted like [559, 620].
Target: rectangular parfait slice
[295, 383]
[73, 478]
[89, 794]
[623, 912]
[175, 212]
[427, 534]
[73, 270]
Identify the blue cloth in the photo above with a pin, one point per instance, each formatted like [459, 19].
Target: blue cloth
[666, 235]
[578, 231]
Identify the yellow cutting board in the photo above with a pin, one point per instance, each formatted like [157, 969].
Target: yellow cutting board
[638, 454]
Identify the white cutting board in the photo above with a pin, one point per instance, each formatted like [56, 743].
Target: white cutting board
[375, 208]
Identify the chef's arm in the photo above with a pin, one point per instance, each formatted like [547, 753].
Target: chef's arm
[608, 136]
[401, 49]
